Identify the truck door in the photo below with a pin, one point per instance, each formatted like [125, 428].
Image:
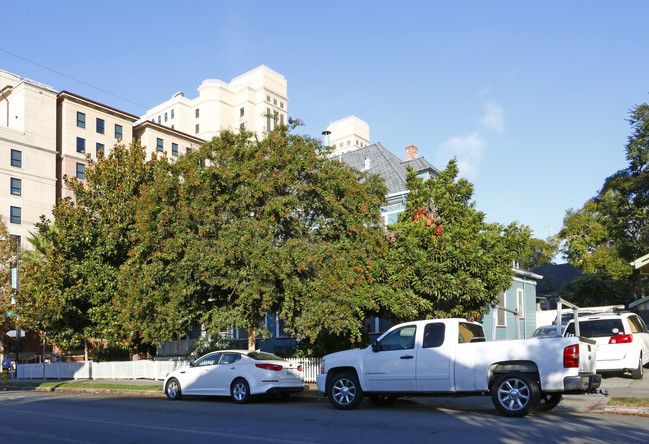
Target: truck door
[434, 359]
[390, 363]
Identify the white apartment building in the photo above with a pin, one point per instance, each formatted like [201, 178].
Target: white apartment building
[28, 156]
[256, 99]
[46, 135]
[348, 134]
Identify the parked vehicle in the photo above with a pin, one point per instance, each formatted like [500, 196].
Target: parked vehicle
[547, 331]
[447, 357]
[622, 341]
[239, 374]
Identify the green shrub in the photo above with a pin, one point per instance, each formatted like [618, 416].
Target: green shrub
[112, 353]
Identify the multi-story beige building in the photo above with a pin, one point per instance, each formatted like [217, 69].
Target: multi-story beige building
[46, 135]
[28, 155]
[348, 134]
[256, 99]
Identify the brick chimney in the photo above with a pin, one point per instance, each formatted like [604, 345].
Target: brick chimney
[411, 152]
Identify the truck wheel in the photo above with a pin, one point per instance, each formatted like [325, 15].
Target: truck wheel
[345, 392]
[548, 401]
[382, 400]
[515, 394]
[637, 373]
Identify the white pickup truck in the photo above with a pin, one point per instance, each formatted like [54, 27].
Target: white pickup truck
[449, 357]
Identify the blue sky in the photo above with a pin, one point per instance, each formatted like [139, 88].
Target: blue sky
[532, 97]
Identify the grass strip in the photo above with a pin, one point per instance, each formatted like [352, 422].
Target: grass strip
[629, 402]
[90, 385]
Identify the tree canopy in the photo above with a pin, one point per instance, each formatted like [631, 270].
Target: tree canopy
[68, 291]
[244, 227]
[444, 259]
[611, 230]
[538, 253]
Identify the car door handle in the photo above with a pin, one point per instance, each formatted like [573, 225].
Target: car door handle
[407, 357]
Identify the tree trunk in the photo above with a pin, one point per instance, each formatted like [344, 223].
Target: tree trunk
[252, 342]
[85, 350]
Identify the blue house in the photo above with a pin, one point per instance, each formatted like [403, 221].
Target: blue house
[375, 159]
[520, 297]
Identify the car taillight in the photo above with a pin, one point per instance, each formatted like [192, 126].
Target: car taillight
[571, 356]
[299, 368]
[621, 339]
[273, 367]
[322, 367]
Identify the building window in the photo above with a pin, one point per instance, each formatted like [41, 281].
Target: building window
[172, 113]
[100, 126]
[81, 171]
[100, 150]
[502, 314]
[81, 145]
[242, 112]
[81, 120]
[165, 117]
[275, 102]
[197, 113]
[159, 119]
[16, 158]
[15, 215]
[16, 186]
[172, 126]
[174, 149]
[118, 131]
[281, 119]
[267, 98]
[281, 105]
[189, 150]
[197, 128]
[160, 144]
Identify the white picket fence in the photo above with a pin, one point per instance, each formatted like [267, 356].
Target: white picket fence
[143, 369]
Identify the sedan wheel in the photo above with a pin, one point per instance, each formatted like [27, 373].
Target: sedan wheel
[515, 394]
[173, 389]
[240, 391]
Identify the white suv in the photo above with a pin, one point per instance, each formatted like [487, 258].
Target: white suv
[622, 341]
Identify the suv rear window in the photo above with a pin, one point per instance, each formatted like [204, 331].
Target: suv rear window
[597, 328]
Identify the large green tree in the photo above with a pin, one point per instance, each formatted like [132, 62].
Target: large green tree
[611, 229]
[539, 253]
[244, 227]
[69, 290]
[444, 259]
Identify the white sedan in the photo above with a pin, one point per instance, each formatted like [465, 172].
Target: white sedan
[239, 374]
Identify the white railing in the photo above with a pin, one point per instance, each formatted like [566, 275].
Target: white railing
[143, 369]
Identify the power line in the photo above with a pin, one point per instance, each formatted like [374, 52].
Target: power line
[72, 78]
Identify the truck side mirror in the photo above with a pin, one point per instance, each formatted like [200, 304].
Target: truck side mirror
[376, 347]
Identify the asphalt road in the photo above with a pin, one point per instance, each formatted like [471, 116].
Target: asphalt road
[28, 417]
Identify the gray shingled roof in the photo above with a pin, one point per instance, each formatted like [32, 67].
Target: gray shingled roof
[386, 165]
